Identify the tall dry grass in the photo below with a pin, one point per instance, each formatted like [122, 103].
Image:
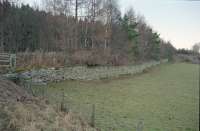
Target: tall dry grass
[91, 57]
[34, 117]
[41, 59]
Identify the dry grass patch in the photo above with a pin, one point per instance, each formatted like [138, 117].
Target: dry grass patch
[33, 117]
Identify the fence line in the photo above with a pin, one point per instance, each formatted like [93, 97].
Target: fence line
[87, 111]
[8, 60]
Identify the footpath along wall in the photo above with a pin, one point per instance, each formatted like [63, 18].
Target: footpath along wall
[44, 76]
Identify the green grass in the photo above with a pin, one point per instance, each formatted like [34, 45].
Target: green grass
[164, 99]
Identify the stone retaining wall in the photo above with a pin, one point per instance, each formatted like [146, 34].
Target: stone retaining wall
[44, 76]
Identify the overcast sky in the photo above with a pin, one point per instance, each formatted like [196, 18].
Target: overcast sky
[176, 20]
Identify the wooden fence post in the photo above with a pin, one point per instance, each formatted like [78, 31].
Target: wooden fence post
[13, 62]
[140, 126]
[93, 116]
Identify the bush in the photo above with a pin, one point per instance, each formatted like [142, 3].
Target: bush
[40, 59]
[97, 57]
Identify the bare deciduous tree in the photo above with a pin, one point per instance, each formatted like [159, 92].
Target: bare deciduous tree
[196, 47]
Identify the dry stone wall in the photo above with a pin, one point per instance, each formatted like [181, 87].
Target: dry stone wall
[44, 76]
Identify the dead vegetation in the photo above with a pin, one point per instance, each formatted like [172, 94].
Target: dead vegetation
[40, 59]
[34, 117]
[21, 112]
[10, 92]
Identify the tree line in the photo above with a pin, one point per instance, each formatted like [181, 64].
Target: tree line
[79, 27]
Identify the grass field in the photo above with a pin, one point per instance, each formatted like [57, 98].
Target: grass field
[163, 99]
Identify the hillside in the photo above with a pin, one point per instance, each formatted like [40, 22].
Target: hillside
[42, 37]
[19, 111]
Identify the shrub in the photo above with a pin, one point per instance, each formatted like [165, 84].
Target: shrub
[40, 59]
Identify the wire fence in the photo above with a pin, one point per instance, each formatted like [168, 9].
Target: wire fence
[101, 119]
[95, 115]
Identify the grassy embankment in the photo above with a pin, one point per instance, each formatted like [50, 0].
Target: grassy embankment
[165, 98]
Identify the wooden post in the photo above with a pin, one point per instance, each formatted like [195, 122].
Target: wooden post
[140, 126]
[13, 62]
[93, 116]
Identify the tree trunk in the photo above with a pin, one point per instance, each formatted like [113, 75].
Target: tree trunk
[2, 39]
[2, 31]
[76, 10]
